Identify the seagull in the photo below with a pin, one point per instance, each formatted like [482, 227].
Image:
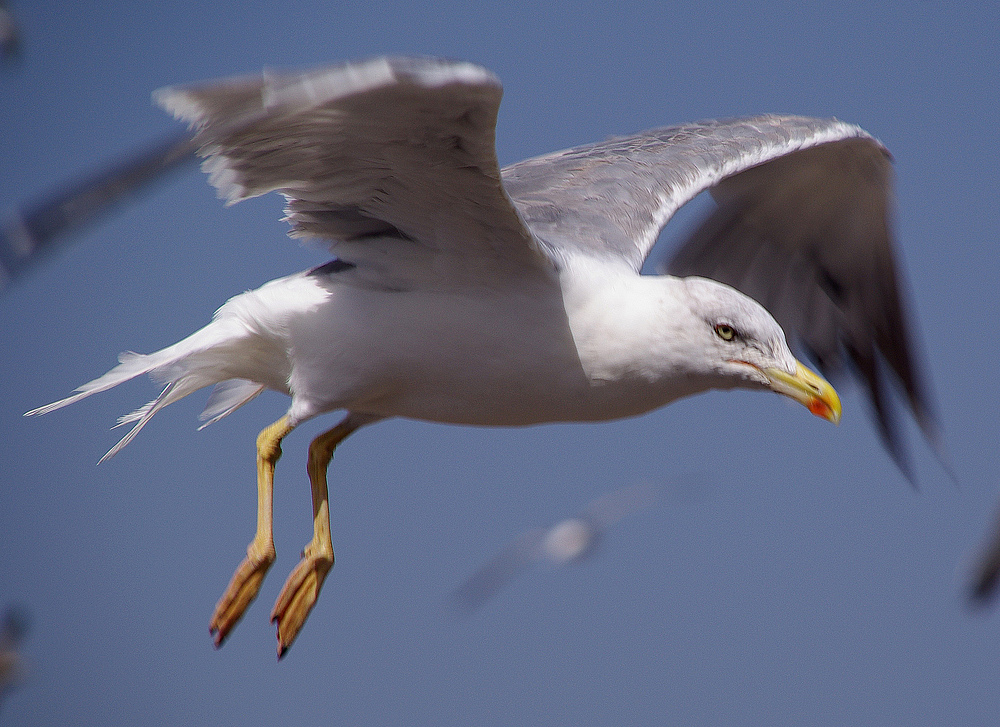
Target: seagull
[572, 540]
[462, 293]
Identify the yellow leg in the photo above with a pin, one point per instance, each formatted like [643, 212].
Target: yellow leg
[302, 587]
[249, 575]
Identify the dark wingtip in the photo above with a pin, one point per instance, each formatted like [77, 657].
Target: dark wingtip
[934, 434]
[986, 575]
[896, 446]
[16, 623]
[894, 440]
[983, 591]
[870, 367]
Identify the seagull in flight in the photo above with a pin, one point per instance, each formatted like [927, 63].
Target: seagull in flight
[572, 540]
[464, 293]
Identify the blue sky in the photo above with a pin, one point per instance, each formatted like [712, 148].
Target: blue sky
[804, 583]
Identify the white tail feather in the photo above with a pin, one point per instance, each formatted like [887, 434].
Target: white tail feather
[227, 397]
[198, 361]
[243, 346]
[174, 391]
[131, 365]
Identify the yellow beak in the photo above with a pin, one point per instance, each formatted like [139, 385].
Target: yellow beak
[809, 389]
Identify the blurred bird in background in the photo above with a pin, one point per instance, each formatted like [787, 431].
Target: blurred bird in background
[37, 228]
[572, 540]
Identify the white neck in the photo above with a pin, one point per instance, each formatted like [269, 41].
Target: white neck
[631, 333]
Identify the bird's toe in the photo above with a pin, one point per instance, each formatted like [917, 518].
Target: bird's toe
[242, 590]
[299, 596]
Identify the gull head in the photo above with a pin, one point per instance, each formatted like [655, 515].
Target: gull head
[735, 342]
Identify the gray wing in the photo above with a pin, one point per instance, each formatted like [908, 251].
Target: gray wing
[612, 198]
[802, 226]
[809, 236]
[611, 507]
[10, 35]
[517, 556]
[392, 147]
[35, 229]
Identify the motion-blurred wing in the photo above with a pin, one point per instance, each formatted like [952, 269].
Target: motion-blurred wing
[808, 234]
[388, 148]
[986, 576]
[10, 35]
[37, 228]
[13, 628]
[516, 557]
[611, 507]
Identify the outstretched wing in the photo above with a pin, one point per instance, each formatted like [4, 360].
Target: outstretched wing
[986, 576]
[809, 235]
[398, 147]
[524, 551]
[802, 225]
[609, 508]
[36, 229]
[612, 198]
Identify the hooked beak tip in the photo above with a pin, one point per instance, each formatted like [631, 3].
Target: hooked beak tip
[809, 389]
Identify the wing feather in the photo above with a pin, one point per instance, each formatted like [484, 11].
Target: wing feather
[611, 199]
[392, 147]
[818, 225]
[802, 225]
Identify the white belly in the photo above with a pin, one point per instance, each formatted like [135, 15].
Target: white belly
[438, 357]
[507, 355]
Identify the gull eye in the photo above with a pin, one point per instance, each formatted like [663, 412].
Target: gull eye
[725, 331]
